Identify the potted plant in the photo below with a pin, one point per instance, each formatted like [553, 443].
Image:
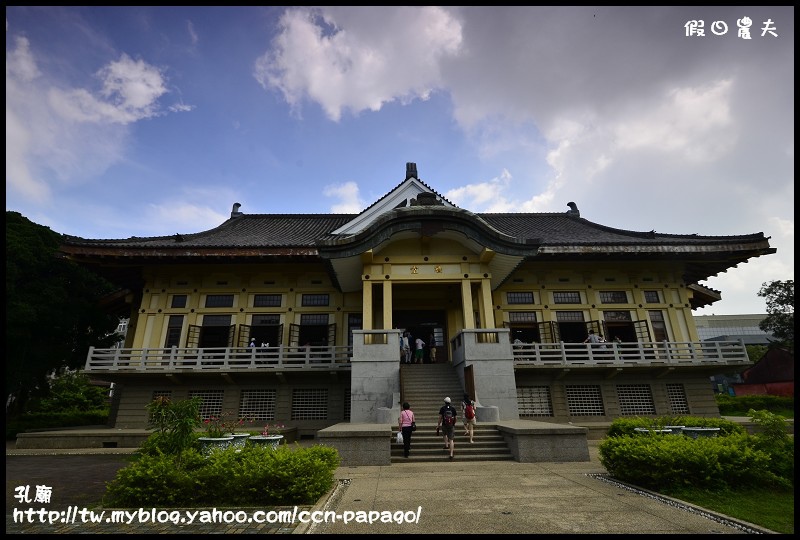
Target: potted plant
[239, 438]
[217, 436]
[271, 439]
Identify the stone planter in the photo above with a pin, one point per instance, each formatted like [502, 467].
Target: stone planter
[239, 439]
[290, 434]
[695, 432]
[267, 440]
[212, 444]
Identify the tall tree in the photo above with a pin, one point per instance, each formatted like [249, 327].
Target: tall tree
[52, 311]
[780, 310]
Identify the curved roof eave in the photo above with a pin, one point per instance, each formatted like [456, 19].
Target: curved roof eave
[426, 221]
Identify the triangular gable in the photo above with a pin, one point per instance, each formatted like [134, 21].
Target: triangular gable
[399, 197]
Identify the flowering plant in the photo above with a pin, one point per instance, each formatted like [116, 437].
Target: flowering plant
[231, 426]
[275, 426]
[222, 425]
[216, 426]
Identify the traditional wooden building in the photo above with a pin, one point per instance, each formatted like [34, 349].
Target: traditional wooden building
[772, 375]
[507, 298]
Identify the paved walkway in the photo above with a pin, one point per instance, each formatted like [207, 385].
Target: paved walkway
[503, 497]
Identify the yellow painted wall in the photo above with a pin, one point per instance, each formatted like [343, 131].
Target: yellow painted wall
[427, 289]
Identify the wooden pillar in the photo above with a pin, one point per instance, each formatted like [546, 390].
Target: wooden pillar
[466, 304]
[366, 305]
[486, 307]
[387, 305]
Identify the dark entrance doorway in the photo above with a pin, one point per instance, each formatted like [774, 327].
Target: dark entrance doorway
[423, 324]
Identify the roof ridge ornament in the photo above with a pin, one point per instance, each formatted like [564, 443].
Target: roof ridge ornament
[426, 199]
[573, 209]
[411, 171]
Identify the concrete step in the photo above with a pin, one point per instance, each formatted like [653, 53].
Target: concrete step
[488, 445]
[424, 388]
[463, 445]
[459, 457]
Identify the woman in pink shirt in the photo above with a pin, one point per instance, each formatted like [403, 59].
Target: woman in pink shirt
[406, 423]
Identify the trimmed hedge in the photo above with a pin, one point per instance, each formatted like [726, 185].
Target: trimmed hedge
[253, 476]
[732, 460]
[625, 426]
[737, 405]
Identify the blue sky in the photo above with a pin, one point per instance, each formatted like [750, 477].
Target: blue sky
[150, 121]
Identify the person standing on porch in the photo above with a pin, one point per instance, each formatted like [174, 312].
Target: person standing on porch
[407, 347]
[432, 348]
[418, 353]
[404, 348]
[592, 338]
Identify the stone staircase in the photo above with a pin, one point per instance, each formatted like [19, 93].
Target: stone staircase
[424, 387]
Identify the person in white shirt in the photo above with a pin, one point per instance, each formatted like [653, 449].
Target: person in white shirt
[406, 347]
[419, 352]
[592, 338]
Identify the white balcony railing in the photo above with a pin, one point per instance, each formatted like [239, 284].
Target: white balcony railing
[219, 358]
[626, 354]
[543, 355]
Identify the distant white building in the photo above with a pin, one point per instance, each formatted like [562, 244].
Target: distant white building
[732, 328]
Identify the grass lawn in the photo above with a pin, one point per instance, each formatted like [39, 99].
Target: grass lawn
[769, 508]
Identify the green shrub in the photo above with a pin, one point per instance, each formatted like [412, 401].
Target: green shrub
[55, 420]
[775, 440]
[738, 405]
[626, 426]
[667, 462]
[70, 400]
[253, 476]
[773, 427]
[154, 479]
[72, 391]
[733, 459]
[174, 422]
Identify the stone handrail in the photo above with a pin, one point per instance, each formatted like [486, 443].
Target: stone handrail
[177, 359]
[672, 353]
[538, 355]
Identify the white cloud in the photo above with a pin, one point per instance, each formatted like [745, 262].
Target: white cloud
[193, 37]
[59, 136]
[350, 201]
[181, 217]
[130, 92]
[694, 123]
[784, 227]
[484, 196]
[358, 60]
[20, 63]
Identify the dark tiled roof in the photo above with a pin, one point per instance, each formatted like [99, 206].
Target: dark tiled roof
[303, 230]
[254, 230]
[561, 228]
